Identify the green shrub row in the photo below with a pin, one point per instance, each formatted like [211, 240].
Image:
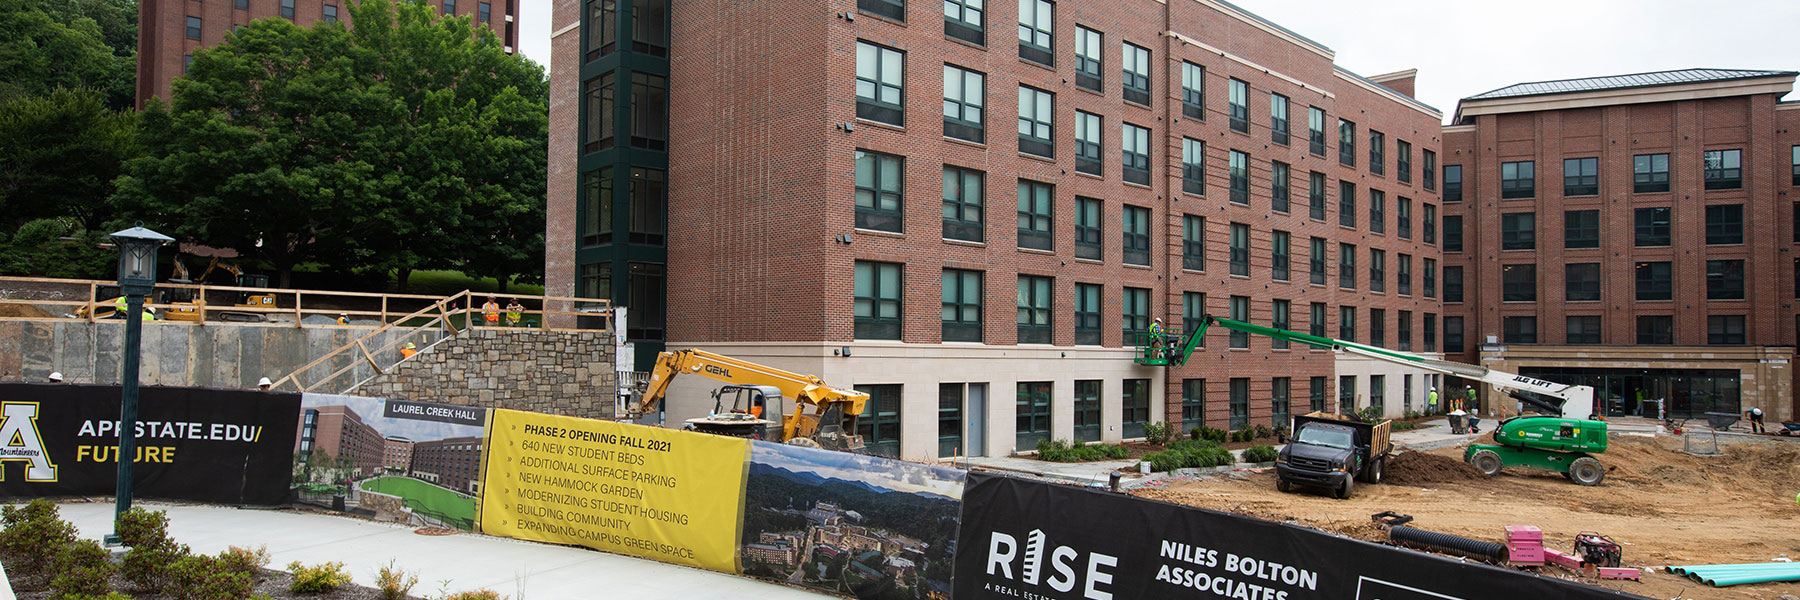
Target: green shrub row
[1260, 454]
[1187, 454]
[1079, 451]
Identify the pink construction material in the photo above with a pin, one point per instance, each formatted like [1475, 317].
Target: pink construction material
[1523, 533]
[1525, 555]
[1619, 573]
[1567, 561]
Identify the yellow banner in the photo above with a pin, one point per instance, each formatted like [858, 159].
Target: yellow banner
[667, 495]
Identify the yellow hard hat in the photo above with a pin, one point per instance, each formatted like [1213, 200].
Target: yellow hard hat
[409, 345]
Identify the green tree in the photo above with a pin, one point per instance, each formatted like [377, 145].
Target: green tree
[59, 154]
[57, 247]
[47, 44]
[118, 23]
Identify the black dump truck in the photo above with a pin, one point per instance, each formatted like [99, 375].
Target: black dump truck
[1332, 451]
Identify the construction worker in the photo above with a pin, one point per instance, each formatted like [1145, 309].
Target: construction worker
[408, 351]
[1156, 338]
[264, 384]
[490, 312]
[1756, 422]
[1472, 405]
[56, 377]
[1431, 401]
[514, 312]
[343, 319]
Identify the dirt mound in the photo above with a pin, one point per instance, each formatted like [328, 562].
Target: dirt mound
[22, 311]
[1419, 468]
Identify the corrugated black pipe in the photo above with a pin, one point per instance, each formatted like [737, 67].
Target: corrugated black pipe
[1449, 544]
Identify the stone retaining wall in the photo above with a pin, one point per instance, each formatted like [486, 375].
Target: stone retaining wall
[562, 373]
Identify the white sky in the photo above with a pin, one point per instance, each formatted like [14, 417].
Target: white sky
[1463, 48]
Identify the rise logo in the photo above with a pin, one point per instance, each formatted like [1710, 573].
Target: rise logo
[1003, 552]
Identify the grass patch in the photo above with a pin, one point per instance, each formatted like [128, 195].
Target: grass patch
[440, 502]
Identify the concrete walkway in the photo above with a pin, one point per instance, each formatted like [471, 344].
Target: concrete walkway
[455, 563]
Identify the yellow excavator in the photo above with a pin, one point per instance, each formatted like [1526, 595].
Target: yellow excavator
[823, 416]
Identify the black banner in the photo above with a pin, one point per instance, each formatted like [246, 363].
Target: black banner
[1033, 540]
[442, 413]
[204, 445]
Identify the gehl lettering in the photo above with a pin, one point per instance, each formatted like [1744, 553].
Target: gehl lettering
[718, 370]
[1003, 549]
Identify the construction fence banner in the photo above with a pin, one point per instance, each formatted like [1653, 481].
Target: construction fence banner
[1028, 539]
[842, 522]
[391, 460]
[196, 444]
[662, 494]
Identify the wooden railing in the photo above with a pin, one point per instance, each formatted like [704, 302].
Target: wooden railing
[440, 321]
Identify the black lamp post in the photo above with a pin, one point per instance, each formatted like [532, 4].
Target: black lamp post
[137, 278]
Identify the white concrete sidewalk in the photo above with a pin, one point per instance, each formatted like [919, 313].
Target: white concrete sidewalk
[521, 570]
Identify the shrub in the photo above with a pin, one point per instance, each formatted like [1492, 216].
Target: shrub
[1412, 414]
[1208, 433]
[1404, 425]
[106, 596]
[316, 580]
[245, 560]
[1064, 451]
[483, 594]
[1369, 414]
[34, 538]
[1182, 454]
[152, 552]
[1260, 454]
[394, 583]
[1243, 435]
[83, 570]
[1263, 431]
[1158, 433]
[204, 577]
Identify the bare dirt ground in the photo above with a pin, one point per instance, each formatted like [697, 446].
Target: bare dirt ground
[1662, 505]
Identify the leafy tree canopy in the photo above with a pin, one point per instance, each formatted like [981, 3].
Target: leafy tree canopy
[47, 44]
[59, 154]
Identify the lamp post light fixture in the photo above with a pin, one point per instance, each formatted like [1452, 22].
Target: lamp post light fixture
[137, 278]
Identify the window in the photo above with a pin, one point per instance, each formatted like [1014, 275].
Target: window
[879, 424]
[1429, 220]
[1650, 173]
[1652, 226]
[1346, 393]
[1453, 241]
[1037, 31]
[1725, 329]
[1240, 178]
[1315, 130]
[1405, 265]
[1278, 401]
[484, 13]
[1240, 403]
[1796, 161]
[1377, 211]
[1278, 315]
[1347, 266]
[187, 63]
[1278, 262]
[1193, 166]
[1137, 235]
[1722, 170]
[1377, 270]
[649, 206]
[1032, 411]
[1087, 59]
[1404, 207]
[1034, 309]
[599, 113]
[1036, 121]
[1654, 281]
[1430, 277]
[1137, 74]
[1315, 195]
[1582, 329]
[1316, 319]
[965, 193]
[287, 9]
[1135, 316]
[1193, 403]
[1377, 152]
[1346, 204]
[962, 305]
[1581, 282]
[1193, 91]
[1581, 176]
[602, 25]
[880, 84]
[1087, 144]
[1453, 285]
[1087, 228]
[1725, 280]
[1316, 261]
[1581, 229]
[1725, 224]
[1346, 143]
[1316, 394]
[647, 291]
[1378, 393]
[1240, 249]
[1403, 163]
[1193, 311]
[1087, 314]
[1518, 283]
[245, 5]
[193, 28]
[1136, 147]
[1655, 329]
[596, 280]
[963, 20]
[1428, 171]
[1193, 242]
[965, 96]
[950, 417]
[1377, 327]
[1035, 215]
[1347, 323]
[597, 208]
[1087, 410]
[1240, 311]
[1430, 323]
[1240, 105]
[877, 300]
[1518, 231]
[1453, 334]
[1278, 186]
[331, 13]
[1278, 118]
[878, 191]
[1519, 330]
[1518, 179]
[649, 112]
[1453, 183]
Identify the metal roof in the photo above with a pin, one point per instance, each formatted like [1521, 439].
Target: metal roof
[1617, 82]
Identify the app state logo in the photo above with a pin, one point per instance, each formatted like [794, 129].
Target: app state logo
[23, 443]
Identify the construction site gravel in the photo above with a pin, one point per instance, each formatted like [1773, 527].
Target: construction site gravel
[1663, 505]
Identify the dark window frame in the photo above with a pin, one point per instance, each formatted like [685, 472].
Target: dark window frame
[1655, 280]
[1518, 179]
[1136, 231]
[1135, 84]
[1581, 229]
[959, 125]
[1134, 146]
[1725, 279]
[1652, 226]
[1581, 176]
[961, 203]
[1581, 282]
[1723, 169]
[1089, 227]
[1036, 314]
[1240, 249]
[1037, 224]
[873, 324]
[1088, 306]
[1238, 102]
[956, 305]
[1724, 224]
[1193, 242]
[1518, 231]
[1193, 166]
[1238, 164]
[1650, 173]
[1089, 141]
[872, 194]
[872, 103]
[1088, 70]
[1518, 282]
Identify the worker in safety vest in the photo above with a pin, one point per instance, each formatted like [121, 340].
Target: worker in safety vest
[490, 312]
[408, 351]
[514, 312]
[1431, 401]
[119, 303]
[1156, 338]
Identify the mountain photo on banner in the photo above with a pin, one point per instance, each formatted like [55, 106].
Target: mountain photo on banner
[850, 524]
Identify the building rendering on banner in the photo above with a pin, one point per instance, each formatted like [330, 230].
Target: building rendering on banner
[971, 210]
[171, 31]
[338, 432]
[1654, 263]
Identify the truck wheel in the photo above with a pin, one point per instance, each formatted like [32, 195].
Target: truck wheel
[1487, 461]
[1587, 471]
[1373, 473]
[1282, 485]
[1344, 491]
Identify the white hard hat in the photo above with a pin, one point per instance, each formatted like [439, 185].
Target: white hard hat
[57, 376]
[264, 381]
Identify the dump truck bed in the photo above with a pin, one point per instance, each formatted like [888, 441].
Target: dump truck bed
[1374, 436]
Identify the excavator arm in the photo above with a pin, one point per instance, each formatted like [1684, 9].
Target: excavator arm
[825, 414]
